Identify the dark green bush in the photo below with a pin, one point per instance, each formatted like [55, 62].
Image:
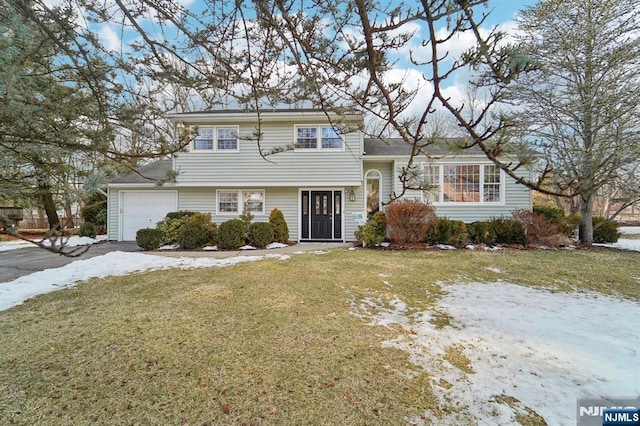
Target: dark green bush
[370, 234]
[95, 211]
[279, 225]
[196, 232]
[180, 214]
[508, 231]
[481, 233]
[149, 239]
[408, 220]
[260, 234]
[605, 231]
[231, 234]
[380, 220]
[553, 214]
[87, 229]
[447, 231]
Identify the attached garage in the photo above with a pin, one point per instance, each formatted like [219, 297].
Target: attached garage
[143, 209]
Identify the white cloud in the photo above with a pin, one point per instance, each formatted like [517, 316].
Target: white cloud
[109, 39]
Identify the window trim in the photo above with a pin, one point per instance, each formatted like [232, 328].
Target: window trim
[240, 194]
[215, 139]
[439, 198]
[372, 174]
[318, 147]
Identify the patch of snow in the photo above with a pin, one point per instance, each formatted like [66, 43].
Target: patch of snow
[299, 252]
[247, 247]
[387, 283]
[623, 243]
[210, 248]
[445, 247]
[385, 244]
[351, 248]
[320, 252]
[544, 349]
[169, 247]
[629, 230]
[72, 241]
[115, 263]
[496, 270]
[276, 245]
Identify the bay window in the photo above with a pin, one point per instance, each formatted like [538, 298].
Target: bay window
[463, 183]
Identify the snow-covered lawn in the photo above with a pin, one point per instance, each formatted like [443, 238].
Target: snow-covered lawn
[544, 349]
[115, 263]
[526, 348]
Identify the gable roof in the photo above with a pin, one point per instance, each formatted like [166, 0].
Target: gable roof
[150, 173]
[397, 147]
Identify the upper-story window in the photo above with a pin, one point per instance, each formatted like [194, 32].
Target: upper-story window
[464, 183]
[318, 137]
[224, 139]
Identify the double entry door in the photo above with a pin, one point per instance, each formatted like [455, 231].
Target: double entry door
[321, 215]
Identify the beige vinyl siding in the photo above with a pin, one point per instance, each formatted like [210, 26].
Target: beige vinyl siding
[247, 168]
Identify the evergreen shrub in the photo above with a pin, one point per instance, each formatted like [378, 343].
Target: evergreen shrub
[149, 238]
[231, 234]
[605, 231]
[260, 234]
[279, 226]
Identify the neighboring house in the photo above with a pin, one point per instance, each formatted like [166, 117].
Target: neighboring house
[325, 186]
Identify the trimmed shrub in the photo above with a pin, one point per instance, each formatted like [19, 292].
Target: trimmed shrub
[170, 226]
[447, 231]
[508, 231]
[380, 220]
[481, 233]
[87, 229]
[605, 231]
[149, 239]
[231, 234]
[260, 234]
[279, 226]
[196, 232]
[408, 220]
[180, 214]
[541, 230]
[95, 211]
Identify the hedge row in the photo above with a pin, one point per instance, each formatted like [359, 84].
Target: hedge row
[411, 221]
[192, 230]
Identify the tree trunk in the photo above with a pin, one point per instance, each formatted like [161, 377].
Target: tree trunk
[68, 212]
[49, 205]
[585, 232]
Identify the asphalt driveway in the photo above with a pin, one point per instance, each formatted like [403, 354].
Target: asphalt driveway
[25, 261]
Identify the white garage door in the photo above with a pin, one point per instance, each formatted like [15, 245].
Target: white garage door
[143, 209]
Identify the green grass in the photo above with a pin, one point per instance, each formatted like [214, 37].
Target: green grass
[269, 342]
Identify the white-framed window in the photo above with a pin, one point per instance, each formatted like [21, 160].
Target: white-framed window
[216, 138]
[463, 183]
[318, 138]
[238, 201]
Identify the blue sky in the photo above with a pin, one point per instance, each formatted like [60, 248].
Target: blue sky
[504, 10]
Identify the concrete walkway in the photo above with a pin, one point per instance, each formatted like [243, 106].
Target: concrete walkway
[296, 248]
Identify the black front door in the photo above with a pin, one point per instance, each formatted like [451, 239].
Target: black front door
[321, 215]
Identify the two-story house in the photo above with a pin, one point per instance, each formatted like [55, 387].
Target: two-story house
[326, 180]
